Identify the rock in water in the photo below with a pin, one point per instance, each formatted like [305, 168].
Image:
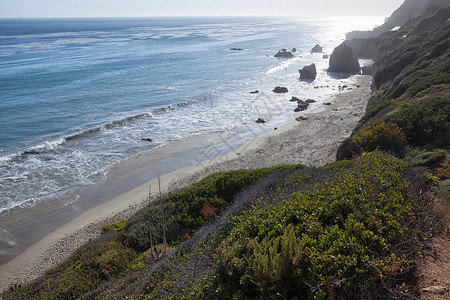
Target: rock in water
[261, 121]
[280, 90]
[308, 72]
[302, 105]
[317, 49]
[343, 60]
[284, 54]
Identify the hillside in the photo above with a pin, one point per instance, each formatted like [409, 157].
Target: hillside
[409, 108]
[353, 229]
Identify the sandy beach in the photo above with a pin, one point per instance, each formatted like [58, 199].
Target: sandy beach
[312, 141]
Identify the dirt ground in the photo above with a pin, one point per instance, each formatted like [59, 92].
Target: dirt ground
[434, 269]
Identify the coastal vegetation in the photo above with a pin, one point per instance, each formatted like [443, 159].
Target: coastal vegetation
[410, 106]
[352, 229]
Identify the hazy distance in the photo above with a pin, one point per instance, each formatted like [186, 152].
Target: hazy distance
[142, 8]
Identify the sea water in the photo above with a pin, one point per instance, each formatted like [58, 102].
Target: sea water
[78, 96]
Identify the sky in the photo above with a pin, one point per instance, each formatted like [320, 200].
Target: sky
[142, 8]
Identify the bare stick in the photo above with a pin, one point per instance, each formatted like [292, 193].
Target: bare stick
[149, 222]
[163, 217]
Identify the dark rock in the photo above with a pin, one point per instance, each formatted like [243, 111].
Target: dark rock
[294, 50]
[302, 105]
[284, 54]
[147, 140]
[280, 90]
[317, 49]
[310, 100]
[294, 99]
[388, 73]
[327, 103]
[301, 118]
[261, 121]
[254, 92]
[366, 70]
[308, 72]
[236, 49]
[343, 60]
[32, 152]
[325, 56]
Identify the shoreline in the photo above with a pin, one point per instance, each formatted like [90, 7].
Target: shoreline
[312, 142]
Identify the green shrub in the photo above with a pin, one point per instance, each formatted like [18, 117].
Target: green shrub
[374, 100]
[421, 80]
[427, 158]
[183, 208]
[114, 227]
[344, 238]
[83, 271]
[425, 121]
[380, 135]
[348, 150]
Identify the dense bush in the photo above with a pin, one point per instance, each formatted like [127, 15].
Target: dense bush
[87, 268]
[346, 237]
[380, 135]
[183, 209]
[426, 158]
[425, 121]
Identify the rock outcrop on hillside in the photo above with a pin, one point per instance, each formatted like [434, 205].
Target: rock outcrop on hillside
[342, 60]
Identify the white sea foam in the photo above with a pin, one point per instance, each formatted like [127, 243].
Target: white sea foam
[117, 95]
[7, 237]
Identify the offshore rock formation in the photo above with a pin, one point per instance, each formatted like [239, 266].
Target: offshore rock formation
[308, 72]
[280, 90]
[284, 54]
[343, 60]
[317, 49]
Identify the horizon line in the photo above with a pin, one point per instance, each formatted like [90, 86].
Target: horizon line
[199, 16]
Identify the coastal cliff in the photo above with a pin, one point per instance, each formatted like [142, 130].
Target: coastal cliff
[373, 44]
[353, 229]
[410, 9]
[411, 75]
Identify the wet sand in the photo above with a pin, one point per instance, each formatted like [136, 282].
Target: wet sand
[312, 142]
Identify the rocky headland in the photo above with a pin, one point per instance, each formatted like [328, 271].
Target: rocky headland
[371, 225]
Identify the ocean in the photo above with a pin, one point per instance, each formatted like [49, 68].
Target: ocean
[78, 97]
